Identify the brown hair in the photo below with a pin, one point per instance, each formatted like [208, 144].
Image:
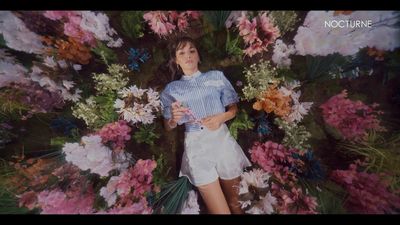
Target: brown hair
[169, 70]
[175, 69]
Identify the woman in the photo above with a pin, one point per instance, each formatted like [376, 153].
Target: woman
[212, 160]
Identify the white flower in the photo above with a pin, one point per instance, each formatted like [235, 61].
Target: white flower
[77, 67]
[255, 210]
[71, 97]
[10, 72]
[119, 103]
[62, 63]
[264, 206]
[232, 18]
[49, 61]
[282, 53]
[191, 205]
[68, 84]
[257, 178]
[94, 156]
[139, 112]
[267, 203]
[109, 192]
[244, 204]
[48, 83]
[17, 36]
[98, 24]
[299, 110]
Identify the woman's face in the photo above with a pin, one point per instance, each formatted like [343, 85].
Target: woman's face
[187, 58]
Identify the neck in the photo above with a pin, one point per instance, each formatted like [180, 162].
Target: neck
[189, 72]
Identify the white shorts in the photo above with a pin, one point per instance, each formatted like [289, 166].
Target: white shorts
[212, 154]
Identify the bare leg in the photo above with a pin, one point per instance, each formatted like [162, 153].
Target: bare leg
[214, 198]
[231, 191]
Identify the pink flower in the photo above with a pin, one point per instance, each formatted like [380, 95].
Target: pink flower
[257, 34]
[352, 118]
[28, 200]
[368, 192]
[116, 133]
[55, 15]
[164, 23]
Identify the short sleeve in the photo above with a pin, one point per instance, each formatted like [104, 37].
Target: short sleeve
[166, 101]
[228, 95]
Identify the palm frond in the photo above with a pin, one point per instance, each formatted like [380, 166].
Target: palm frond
[171, 197]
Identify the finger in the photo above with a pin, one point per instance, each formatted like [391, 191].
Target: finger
[178, 114]
[175, 104]
[179, 110]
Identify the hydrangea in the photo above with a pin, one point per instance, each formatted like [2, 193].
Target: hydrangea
[117, 133]
[72, 27]
[58, 202]
[281, 54]
[92, 155]
[138, 105]
[17, 36]
[10, 70]
[98, 25]
[129, 185]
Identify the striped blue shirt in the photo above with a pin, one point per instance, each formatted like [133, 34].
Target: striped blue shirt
[206, 94]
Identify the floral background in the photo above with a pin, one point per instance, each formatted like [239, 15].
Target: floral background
[81, 129]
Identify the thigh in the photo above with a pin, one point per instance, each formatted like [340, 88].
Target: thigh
[214, 198]
[231, 192]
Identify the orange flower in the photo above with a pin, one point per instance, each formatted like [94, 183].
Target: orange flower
[31, 173]
[73, 51]
[70, 49]
[273, 100]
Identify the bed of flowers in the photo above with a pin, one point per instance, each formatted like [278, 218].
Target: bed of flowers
[81, 129]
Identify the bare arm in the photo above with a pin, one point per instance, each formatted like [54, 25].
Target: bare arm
[215, 121]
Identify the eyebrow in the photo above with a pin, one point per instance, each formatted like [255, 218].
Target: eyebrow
[181, 50]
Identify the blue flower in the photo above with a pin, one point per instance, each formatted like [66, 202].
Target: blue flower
[61, 124]
[263, 127]
[136, 56]
[312, 166]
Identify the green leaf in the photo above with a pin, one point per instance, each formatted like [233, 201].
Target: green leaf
[146, 134]
[132, 23]
[241, 122]
[217, 19]
[171, 197]
[107, 54]
[58, 141]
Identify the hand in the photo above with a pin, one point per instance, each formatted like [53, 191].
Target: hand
[177, 112]
[213, 122]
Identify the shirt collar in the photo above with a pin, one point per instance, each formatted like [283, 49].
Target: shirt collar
[188, 77]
